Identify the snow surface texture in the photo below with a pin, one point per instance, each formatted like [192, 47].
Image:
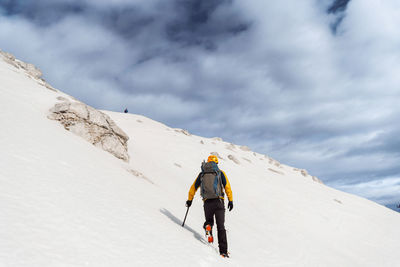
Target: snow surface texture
[64, 202]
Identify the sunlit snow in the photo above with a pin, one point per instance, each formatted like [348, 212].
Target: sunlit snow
[65, 202]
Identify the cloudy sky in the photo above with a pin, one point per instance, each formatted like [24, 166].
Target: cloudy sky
[312, 83]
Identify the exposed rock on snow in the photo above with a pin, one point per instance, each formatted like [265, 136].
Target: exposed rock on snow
[93, 125]
[231, 147]
[305, 174]
[178, 165]
[315, 179]
[185, 132]
[274, 162]
[278, 172]
[9, 58]
[246, 159]
[31, 70]
[231, 157]
[245, 148]
[61, 98]
[140, 175]
[338, 201]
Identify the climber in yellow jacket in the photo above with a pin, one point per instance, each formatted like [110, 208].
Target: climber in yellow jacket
[213, 182]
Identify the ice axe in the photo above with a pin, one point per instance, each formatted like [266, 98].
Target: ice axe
[184, 220]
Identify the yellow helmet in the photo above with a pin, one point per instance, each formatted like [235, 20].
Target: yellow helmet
[212, 158]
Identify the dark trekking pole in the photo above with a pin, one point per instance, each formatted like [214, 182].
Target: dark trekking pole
[184, 220]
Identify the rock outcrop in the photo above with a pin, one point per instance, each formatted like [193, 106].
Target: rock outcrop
[87, 122]
[234, 159]
[31, 70]
[92, 125]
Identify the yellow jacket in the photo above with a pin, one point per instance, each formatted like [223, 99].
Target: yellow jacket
[225, 183]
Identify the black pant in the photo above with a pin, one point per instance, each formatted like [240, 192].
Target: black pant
[216, 207]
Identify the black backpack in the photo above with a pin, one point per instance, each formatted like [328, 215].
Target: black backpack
[211, 183]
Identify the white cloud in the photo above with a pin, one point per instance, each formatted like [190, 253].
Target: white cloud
[385, 191]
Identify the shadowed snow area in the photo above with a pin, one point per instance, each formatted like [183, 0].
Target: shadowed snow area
[64, 202]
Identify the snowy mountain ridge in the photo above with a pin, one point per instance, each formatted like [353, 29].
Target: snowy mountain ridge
[64, 202]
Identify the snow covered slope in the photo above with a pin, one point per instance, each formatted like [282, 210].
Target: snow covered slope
[65, 202]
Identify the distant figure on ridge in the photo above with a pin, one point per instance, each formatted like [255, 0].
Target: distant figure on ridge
[213, 181]
[126, 110]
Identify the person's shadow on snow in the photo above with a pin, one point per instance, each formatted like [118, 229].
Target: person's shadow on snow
[179, 222]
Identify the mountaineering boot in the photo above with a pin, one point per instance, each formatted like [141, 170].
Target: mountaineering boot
[224, 255]
[209, 236]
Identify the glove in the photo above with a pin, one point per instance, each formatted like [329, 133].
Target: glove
[230, 205]
[188, 203]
